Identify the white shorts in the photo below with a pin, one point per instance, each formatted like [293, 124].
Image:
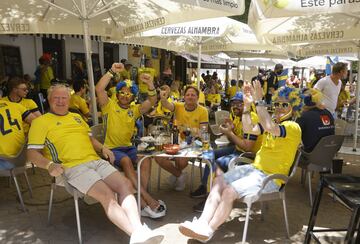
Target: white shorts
[85, 175]
[247, 180]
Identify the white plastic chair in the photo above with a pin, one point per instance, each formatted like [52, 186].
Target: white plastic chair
[59, 181]
[220, 116]
[264, 197]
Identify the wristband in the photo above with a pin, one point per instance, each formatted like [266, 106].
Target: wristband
[112, 73]
[48, 165]
[151, 93]
[260, 103]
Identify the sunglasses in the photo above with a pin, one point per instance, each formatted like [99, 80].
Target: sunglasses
[125, 94]
[237, 104]
[22, 88]
[281, 104]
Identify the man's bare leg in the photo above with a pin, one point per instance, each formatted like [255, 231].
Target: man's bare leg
[118, 183]
[130, 173]
[102, 193]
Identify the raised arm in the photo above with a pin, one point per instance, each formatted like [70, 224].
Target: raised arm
[152, 98]
[164, 94]
[264, 117]
[104, 81]
[248, 126]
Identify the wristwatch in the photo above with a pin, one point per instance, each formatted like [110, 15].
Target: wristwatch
[260, 103]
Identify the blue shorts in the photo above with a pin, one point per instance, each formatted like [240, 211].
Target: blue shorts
[247, 180]
[120, 152]
[5, 165]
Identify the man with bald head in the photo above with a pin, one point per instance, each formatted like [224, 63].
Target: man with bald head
[61, 142]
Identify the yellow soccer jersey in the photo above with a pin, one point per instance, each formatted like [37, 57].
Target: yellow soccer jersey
[30, 105]
[213, 98]
[119, 123]
[231, 91]
[201, 98]
[79, 103]
[191, 119]
[277, 154]
[12, 135]
[64, 139]
[45, 78]
[175, 95]
[238, 131]
[160, 110]
[143, 88]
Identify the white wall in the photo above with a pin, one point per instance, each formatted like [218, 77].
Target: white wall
[27, 46]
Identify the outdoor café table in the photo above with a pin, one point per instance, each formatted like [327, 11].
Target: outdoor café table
[189, 152]
[347, 189]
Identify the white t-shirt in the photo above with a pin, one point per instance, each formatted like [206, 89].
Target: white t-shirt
[330, 92]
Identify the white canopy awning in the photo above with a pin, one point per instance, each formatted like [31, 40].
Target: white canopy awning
[105, 17]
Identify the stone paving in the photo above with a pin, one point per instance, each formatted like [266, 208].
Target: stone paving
[31, 227]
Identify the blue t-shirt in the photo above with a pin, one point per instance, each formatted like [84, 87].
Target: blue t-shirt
[315, 124]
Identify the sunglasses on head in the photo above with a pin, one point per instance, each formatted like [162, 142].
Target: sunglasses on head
[281, 104]
[124, 94]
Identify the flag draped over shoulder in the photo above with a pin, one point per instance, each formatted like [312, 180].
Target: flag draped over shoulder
[283, 77]
[329, 64]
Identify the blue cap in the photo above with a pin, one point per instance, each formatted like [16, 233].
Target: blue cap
[238, 97]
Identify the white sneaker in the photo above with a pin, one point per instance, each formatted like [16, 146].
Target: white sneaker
[172, 180]
[154, 214]
[181, 182]
[144, 235]
[196, 229]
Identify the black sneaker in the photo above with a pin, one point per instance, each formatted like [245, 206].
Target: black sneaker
[200, 192]
[199, 207]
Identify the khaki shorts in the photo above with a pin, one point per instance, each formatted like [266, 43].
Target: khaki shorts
[85, 175]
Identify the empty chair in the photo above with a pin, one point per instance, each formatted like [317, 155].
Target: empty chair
[220, 116]
[19, 167]
[262, 197]
[320, 159]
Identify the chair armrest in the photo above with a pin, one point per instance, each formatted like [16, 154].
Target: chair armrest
[233, 162]
[249, 155]
[273, 177]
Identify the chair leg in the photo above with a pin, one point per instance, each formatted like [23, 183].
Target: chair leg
[28, 184]
[159, 177]
[286, 218]
[310, 190]
[192, 175]
[33, 168]
[76, 201]
[19, 192]
[246, 224]
[263, 207]
[53, 185]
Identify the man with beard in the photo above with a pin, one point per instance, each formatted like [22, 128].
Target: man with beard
[276, 155]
